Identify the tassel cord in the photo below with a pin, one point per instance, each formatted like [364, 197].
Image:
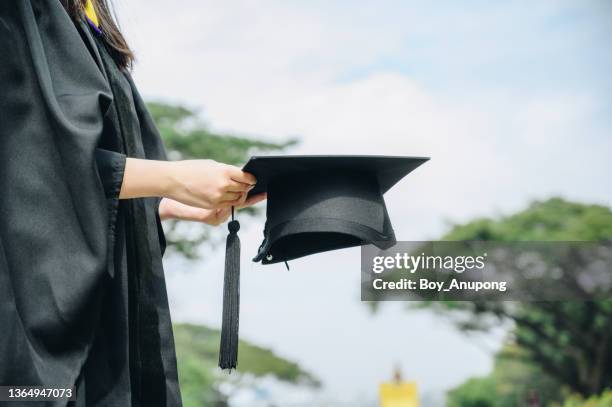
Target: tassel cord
[228, 353]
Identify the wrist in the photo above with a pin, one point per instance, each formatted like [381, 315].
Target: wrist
[148, 178]
[168, 179]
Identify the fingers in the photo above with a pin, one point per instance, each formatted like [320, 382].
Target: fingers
[213, 217]
[245, 201]
[238, 175]
[252, 200]
[236, 202]
[230, 196]
[221, 215]
[235, 186]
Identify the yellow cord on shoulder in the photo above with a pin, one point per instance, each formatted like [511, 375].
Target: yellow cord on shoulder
[90, 12]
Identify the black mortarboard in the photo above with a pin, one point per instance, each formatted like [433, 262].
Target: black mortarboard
[315, 204]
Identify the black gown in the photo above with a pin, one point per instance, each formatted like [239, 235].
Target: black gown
[82, 292]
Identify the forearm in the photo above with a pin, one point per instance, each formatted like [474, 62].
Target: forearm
[201, 183]
[146, 178]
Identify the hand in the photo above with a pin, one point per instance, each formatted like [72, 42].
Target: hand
[208, 184]
[171, 209]
[204, 184]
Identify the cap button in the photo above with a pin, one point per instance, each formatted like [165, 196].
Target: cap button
[234, 226]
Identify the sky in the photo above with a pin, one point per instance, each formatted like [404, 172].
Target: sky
[511, 100]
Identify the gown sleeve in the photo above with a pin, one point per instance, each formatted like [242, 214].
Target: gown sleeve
[111, 166]
[54, 218]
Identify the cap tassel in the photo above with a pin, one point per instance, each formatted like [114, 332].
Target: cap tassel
[228, 353]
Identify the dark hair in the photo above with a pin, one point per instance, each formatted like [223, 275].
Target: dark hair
[115, 41]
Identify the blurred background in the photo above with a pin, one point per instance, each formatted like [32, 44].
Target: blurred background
[512, 101]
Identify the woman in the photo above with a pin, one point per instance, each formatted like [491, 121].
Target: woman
[84, 186]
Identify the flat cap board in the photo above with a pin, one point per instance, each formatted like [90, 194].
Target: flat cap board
[388, 169]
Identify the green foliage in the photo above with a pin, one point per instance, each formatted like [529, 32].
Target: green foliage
[476, 392]
[197, 349]
[602, 400]
[569, 341]
[196, 357]
[166, 115]
[514, 382]
[552, 220]
[186, 137]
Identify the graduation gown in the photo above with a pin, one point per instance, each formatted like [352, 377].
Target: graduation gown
[82, 293]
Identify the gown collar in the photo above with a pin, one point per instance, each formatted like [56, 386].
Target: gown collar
[92, 17]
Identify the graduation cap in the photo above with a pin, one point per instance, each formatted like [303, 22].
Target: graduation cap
[315, 204]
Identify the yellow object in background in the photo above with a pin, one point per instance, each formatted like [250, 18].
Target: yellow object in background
[399, 394]
[90, 12]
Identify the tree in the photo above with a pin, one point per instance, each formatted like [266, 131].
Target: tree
[571, 341]
[197, 355]
[512, 383]
[602, 400]
[186, 137]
